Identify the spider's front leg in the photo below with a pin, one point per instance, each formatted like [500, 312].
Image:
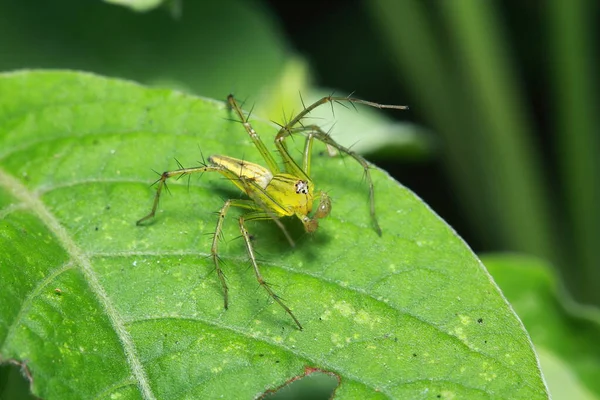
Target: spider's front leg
[315, 132]
[264, 152]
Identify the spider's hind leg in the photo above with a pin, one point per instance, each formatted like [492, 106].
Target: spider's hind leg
[214, 249]
[162, 182]
[259, 277]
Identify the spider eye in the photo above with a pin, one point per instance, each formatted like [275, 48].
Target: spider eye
[302, 187]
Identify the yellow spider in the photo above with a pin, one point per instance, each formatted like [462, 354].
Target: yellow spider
[273, 193]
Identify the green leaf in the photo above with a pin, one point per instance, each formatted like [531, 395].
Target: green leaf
[97, 307]
[564, 332]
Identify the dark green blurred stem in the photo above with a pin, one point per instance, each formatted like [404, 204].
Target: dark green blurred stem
[426, 70]
[512, 161]
[475, 104]
[578, 144]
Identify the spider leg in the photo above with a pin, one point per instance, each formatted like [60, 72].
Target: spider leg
[256, 213]
[214, 249]
[259, 276]
[315, 132]
[271, 163]
[179, 173]
[339, 100]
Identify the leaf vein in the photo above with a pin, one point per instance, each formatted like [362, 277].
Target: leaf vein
[28, 300]
[81, 259]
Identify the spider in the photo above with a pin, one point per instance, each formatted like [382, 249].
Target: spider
[274, 193]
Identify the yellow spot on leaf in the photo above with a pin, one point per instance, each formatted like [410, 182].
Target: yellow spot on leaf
[448, 395]
[364, 318]
[325, 316]
[336, 340]
[344, 308]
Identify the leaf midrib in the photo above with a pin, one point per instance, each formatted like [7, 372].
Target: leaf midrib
[79, 258]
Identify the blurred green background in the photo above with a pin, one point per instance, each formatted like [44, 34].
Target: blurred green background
[501, 139]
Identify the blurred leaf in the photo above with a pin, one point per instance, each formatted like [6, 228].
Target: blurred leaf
[563, 383]
[211, 50]
[13, 385]
[565, 330]
[139, 5]
[282, 96]
[101, 308]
